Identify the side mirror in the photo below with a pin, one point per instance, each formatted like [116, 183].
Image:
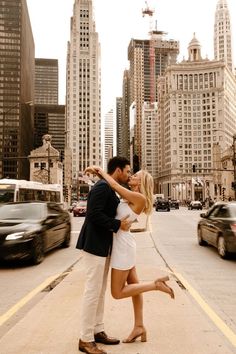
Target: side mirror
[203, 215]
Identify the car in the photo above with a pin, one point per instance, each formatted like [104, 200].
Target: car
[174, 204]
[195, 204]
[80, 209]
[217, 227]
[30, 229]
[162, 204]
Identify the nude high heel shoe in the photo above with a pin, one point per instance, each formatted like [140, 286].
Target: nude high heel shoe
[162, 286]
[142, 334]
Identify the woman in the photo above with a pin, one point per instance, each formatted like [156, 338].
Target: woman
[124, 279]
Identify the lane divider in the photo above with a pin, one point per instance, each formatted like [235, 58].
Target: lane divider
[229, 334]
[26, 299]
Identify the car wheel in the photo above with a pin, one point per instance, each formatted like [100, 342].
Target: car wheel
[37, 250]
[201, 242]
[66, 242]
[221, 247]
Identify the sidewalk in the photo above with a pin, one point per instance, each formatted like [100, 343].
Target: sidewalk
[173, 326]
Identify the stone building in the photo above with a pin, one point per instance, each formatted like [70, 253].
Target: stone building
[45, 164]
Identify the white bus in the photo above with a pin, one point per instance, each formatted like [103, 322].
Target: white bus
[13, 190]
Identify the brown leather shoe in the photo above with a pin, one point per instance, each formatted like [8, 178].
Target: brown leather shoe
[90, 348]
[103, 338]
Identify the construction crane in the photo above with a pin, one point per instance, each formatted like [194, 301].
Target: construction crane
[149, 12]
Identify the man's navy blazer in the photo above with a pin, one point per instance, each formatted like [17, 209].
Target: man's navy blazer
[97, 231]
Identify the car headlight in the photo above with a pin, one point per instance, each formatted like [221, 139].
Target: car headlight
[15, 236]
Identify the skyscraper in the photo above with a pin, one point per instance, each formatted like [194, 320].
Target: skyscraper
[119, 125]
[17, 89]
[142, 78]
[46, 81]
[222, 34]
[108, 137]
[83, 116]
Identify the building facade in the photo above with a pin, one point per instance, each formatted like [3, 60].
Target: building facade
[17, 89]
[83, 90]
[50, 119]
[119, 126]
[46, 81]
[144, 71]
[108, 136]
[222, 34]
[197, 109]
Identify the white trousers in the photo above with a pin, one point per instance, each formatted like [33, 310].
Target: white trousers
[96, 270]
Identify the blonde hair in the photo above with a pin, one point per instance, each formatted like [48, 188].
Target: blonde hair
[146, 188]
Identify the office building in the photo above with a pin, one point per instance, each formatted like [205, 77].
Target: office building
[222, 34]
[50, 119]
[83, 90]
[119, 125]
[17, 89]
[46, 81]
[108, 136]
[144, 71]
[194, 115]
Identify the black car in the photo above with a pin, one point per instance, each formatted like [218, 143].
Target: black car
[218, 228]
[30, 229]
[162, 204]
[195, 205]
[174, 204]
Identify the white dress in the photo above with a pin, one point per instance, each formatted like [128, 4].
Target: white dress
[123, 256]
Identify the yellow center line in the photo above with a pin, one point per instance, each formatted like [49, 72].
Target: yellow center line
[208, 310]
[26, 299]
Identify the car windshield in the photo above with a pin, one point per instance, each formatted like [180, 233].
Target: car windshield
[27, 211]
[233, 210]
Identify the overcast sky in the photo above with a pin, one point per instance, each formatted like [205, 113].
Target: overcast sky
[117, 21]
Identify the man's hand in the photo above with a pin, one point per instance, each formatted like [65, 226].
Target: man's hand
[125, 223]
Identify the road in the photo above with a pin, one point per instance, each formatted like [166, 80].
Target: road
[174, 234]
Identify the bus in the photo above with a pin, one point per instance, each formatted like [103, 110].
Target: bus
[13, 190]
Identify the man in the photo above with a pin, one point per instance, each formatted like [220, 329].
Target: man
[95, 240]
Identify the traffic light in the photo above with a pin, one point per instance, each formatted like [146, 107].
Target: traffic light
[194, 168]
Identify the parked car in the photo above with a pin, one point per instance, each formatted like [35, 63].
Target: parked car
[217, 227]
[174, 204]
[30, 229]
[80, 209]
[162, 204]
[195, 204]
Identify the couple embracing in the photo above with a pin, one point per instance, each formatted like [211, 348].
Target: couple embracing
[105, 241]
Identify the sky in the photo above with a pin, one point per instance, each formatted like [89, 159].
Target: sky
[117, 21]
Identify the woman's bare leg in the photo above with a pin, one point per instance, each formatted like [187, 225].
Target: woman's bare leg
[120, 289]
[137, 300]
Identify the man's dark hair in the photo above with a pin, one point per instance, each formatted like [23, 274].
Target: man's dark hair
[117, 162]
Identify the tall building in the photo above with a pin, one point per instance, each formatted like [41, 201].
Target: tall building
[83, 101]
[17, 89]
[144, 71]
[46, 81]
[125, 120]
[196, 110]
[50, 119]
[150, 138]
[222, 34]
[119, 126]
[108, 137]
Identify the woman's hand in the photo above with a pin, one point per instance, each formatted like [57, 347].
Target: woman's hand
[96, 170]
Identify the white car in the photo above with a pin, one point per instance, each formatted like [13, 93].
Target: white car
[195, 204]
